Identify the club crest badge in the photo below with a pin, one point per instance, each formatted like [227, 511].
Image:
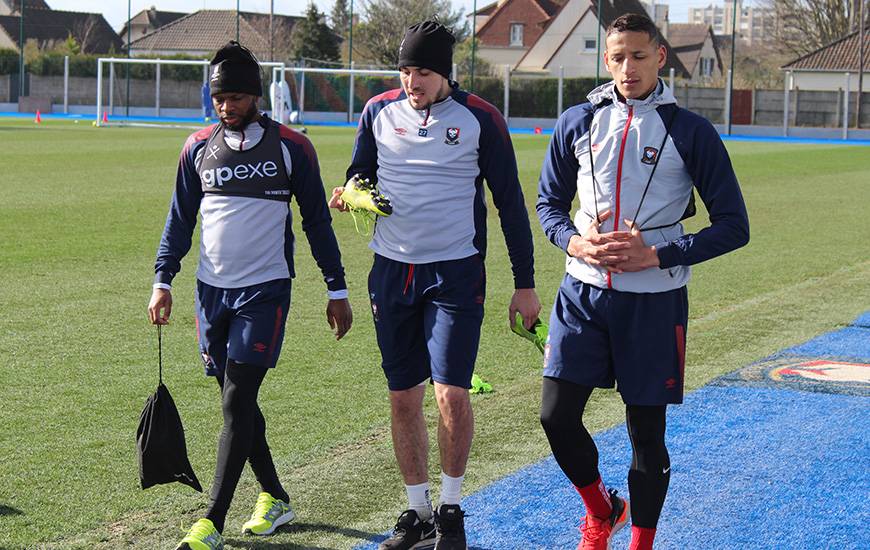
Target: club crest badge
[650, 155]
[452, 136]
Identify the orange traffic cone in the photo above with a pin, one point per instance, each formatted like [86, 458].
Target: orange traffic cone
[38, 117]
[105, 117]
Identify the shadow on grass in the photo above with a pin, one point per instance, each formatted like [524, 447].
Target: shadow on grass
[305, 528]
[361, 536]
[10, 511]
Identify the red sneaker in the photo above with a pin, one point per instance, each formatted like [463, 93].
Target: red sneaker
[597, 532]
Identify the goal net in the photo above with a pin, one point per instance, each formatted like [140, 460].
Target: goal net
[334, 95]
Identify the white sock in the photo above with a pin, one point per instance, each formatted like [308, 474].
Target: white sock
[451, 489]
[419, 500]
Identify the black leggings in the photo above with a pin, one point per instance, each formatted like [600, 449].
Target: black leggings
[562, 406]
[243, 438]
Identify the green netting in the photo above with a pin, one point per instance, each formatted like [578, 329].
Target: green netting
[533, 97]
[529, 97]
[329, 92]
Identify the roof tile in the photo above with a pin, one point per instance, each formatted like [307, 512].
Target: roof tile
[841, 55]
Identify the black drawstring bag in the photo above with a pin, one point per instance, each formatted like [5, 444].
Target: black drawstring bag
[160, 438]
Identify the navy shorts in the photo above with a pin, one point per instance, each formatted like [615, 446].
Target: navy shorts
[598, 337]
[427, 319]
[243, 324]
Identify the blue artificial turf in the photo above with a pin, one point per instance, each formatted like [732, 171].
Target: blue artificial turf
[849, 344]
[754, 466]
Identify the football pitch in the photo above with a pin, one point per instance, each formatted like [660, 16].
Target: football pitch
[81, 214]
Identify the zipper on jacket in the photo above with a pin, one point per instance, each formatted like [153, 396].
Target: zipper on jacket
[619, 181]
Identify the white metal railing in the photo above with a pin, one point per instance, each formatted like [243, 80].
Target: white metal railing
[275, 66]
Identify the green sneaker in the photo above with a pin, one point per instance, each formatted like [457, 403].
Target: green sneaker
[537, 335]
[479, 385]
[202, 536]
[269, 514]
[362, 195]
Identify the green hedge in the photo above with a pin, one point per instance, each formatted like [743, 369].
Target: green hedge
[529, 97]
[51, 64]
[534, 97]
[8, 61]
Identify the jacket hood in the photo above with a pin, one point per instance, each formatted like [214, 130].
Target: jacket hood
[662, 95]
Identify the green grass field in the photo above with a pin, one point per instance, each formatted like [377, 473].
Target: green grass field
[81, 214]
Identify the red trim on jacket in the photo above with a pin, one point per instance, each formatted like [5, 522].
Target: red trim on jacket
[196, 137]
[619, 181]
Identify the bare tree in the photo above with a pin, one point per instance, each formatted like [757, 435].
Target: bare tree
[386, 20]
[806, 25]
[85, 32]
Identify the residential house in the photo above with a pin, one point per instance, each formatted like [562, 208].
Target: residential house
[11, 7]
[556, 35]
[697, 50]
[49, 28]
[147, 21]
[203, 32]
[511, 27]
[826, 68]
[481, 15]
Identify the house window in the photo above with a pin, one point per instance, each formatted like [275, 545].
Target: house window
[516, 34]
[706, 66]
[590, 45]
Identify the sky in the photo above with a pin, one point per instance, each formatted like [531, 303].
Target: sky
[115, 11]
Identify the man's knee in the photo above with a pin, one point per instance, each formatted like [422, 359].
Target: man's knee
[453, 402]
[405, 403]
[553, 419]
[646, 428]
[240, 388]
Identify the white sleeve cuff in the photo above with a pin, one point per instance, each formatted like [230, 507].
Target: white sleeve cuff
[337, 294]
[164, 286]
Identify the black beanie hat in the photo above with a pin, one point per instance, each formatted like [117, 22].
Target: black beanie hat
[235, 69]
[428, 45]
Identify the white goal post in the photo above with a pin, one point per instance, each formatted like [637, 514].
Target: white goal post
[277, 69]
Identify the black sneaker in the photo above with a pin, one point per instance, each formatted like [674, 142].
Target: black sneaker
[410, 532]
[450, 527]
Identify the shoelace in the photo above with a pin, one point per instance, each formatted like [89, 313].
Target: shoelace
[263, 506]
[592, 531]
[451, 526]
[204, 532]
[368, 219]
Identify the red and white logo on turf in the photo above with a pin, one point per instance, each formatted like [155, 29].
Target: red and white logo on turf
[824, 371]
